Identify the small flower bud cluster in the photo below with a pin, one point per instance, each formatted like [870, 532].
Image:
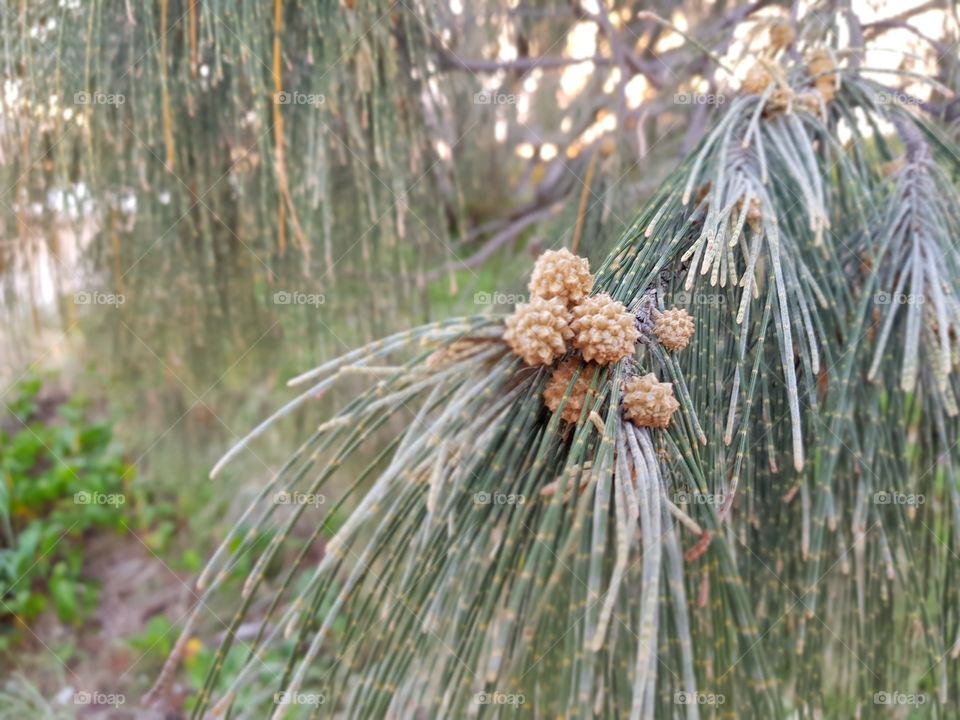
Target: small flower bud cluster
[562, 316]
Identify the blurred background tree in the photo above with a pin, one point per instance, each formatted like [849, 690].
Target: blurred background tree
[197, 157]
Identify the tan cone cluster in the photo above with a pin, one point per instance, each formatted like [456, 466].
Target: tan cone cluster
[821, 68]
[538, 330]
[558, 384]
[599, 326]
[784, 99]
[561, 274]
[603, 331]
[648, 402]
[674, 328]
[562, 315]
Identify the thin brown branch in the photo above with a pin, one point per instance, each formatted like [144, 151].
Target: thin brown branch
[511, 231]
[449, 61]
[870, 30]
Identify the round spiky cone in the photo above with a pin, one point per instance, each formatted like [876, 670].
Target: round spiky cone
[538, 330]
[754, 213]
[674, 328]
[603, 330]
[758, 79]
[647, 402]
[820, 63]
[561, 274]
[781, 34]
[558, 384]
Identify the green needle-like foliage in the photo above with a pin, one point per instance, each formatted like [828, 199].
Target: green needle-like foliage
[759, 558]
[241, 148]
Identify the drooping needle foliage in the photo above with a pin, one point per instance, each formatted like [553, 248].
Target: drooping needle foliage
[760, 553]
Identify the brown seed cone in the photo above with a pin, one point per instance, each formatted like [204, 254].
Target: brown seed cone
[561, 274]
[827, 89]
[891, 168]
[819, 63]
[538, 330]
[649, 403]
[455, 352]
[703, 191]
[781, 34]
[603, 330]
[812, 101]
[674, 328]
[758, 79]
[754, 213]
[558, 384]
[780, 100]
